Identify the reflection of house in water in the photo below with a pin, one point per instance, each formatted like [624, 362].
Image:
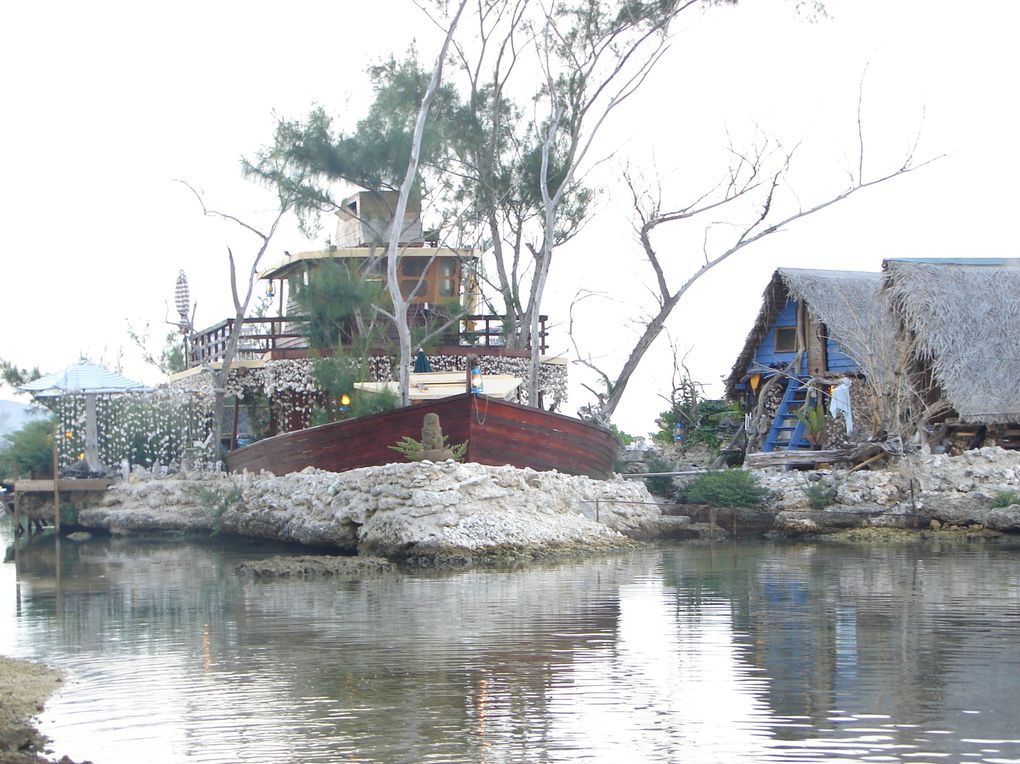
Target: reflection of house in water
[866, 631]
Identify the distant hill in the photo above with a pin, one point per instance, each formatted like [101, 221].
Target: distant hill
[13, 415]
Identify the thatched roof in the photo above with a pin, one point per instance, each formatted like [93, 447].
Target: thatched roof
[964, 318]
[846, 301]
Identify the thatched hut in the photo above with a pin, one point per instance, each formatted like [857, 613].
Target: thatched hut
[960, 322]
[931, 346]
[815, 327]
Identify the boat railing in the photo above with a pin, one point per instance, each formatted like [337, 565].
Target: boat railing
[281, 337]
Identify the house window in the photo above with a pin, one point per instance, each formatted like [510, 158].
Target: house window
[447, 274]
[413, 266]
[786, 339]
[374, 269]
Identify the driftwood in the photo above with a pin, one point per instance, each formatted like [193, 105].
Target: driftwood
[856, 455]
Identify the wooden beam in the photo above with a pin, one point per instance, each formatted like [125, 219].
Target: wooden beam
[63, 484]
[856, 455]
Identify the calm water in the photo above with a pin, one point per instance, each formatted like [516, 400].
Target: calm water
[754, 652]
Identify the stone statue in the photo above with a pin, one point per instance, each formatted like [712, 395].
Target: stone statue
[432, 444]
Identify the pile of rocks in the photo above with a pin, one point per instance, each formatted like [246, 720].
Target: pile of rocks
[920, 491]
[420, 511]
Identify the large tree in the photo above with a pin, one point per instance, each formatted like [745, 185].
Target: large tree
[755, 199]
[504, 150]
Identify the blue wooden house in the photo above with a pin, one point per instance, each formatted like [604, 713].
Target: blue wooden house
[813, 325]
[929, 345]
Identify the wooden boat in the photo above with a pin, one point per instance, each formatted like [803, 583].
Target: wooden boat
[498, 432]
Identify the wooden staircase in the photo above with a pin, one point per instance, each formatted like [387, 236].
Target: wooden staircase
[787, 431]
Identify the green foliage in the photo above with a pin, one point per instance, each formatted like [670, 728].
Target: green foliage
[412, 449]
[338, 306]
[171, 357]
[480, 156]
[335, 377]
[661, 485]
[726, 488]
[623, 438]
[1003, 499]
[820, 493]
[813, 419]
[693, 420]
[16, 377]
[218, 501]
[28, 451]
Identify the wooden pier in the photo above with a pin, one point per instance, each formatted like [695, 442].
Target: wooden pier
[40, 513]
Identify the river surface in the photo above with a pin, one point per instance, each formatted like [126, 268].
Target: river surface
[746, 652]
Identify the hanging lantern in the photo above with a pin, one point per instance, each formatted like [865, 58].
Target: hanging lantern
[476, 380]
[270, 292]
[345, 402]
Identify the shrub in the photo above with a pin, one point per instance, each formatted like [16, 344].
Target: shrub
[624, 438]
[819, 494]
[28, 451]
[218, 501]
[1003, 499]
[726, 488]
[662, 485]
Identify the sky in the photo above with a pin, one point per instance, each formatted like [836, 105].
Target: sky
[106, 105]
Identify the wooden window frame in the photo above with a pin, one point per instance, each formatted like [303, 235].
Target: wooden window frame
[789, 335]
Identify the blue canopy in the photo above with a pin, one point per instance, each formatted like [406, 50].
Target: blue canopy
[82, 378]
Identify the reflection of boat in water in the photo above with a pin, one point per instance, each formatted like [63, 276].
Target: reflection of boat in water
[497, 432]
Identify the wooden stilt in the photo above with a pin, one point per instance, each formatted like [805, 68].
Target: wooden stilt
[18, 530]
[56, 487]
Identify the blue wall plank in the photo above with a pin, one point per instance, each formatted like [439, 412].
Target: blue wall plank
[765, 354]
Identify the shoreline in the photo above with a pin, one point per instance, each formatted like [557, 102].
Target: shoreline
[25, 686]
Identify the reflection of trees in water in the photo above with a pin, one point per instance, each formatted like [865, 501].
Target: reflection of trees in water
[867, 629]
[481, 664]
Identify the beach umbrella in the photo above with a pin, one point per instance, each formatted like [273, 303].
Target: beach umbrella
[422, 363]
[88, 379]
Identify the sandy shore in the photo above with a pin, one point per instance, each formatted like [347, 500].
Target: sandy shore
[24, 687]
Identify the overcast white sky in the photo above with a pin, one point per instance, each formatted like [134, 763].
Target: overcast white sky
[105, 103]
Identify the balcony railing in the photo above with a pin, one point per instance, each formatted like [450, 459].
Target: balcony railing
[277, 337]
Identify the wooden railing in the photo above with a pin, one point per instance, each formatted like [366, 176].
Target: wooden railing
[278, 337]
[258, 337]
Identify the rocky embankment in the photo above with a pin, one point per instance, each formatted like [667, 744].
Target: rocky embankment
[445, 512]
[420, 512]
[922, 492]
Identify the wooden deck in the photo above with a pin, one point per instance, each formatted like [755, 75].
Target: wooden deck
[497, 432]
[43, 514]
[277, 338]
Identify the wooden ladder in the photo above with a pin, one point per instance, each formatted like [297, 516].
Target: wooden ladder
[787, 431]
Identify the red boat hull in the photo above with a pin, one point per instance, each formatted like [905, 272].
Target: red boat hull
[498, 433]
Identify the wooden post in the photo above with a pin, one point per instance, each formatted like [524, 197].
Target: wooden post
[233, 426]
[56, 486]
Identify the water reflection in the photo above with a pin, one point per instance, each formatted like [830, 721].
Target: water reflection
[756, 652]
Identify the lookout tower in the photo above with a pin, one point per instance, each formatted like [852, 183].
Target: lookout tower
[366, 219]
